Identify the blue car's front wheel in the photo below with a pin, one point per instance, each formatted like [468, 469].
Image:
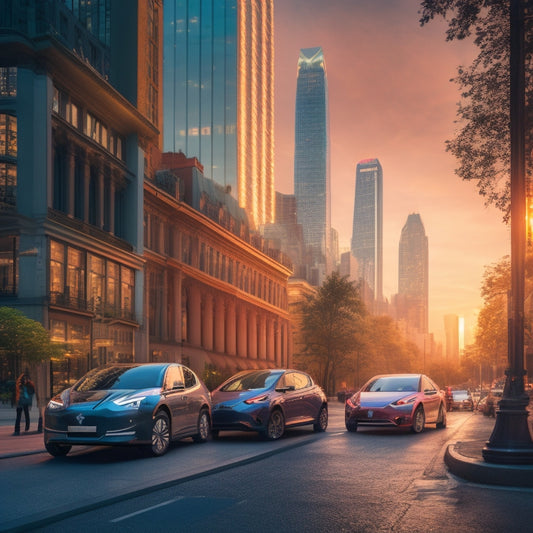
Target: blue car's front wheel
[276, 425]
[160, 434]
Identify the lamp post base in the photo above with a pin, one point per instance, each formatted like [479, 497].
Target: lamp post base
[510, 442]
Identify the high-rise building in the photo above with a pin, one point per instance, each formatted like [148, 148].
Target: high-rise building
[218, 80]
[367, 235]
[311, 155]
[412, 301]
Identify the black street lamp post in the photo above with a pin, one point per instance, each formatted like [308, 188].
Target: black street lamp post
[510, 442]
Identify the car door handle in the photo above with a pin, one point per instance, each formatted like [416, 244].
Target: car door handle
[184, 398]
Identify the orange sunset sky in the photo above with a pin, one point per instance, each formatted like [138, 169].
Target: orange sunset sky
[390, 97]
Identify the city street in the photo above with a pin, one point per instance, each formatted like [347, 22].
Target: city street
[372, 480]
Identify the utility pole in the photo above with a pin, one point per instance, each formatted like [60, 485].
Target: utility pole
[510, 442]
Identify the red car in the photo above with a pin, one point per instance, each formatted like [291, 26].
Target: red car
[397, 400]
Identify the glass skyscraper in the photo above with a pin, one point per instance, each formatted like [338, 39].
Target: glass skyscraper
[367, 235]
[218, 94]
[413, 274]
[311, 154]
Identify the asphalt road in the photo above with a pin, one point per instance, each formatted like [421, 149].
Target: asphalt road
[369, 481]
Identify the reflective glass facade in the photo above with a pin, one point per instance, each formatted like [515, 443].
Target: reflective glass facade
[218, 88]
[413, 272]
[367, 235]
[311, 152]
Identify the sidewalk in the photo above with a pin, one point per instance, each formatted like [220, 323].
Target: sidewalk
[26, 443]
[464, 458]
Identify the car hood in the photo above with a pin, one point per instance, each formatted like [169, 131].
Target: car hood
[233, 398]
[382, 399]
[101, 396]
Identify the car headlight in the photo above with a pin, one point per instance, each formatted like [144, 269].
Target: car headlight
[56, 403]
[257, 399]
[404, 401]
[353, 401]
[130, 402]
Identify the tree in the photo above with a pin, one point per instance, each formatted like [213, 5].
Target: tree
[24, 341]
[482, 145]
[331, 321]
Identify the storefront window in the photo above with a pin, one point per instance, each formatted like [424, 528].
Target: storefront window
[76, 276]
[127, 285]
[96, 283]
[8, 265]
[57, 268]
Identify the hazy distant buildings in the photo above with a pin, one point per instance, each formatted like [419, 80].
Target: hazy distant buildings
[311, 158]
[219, 94]
[367, 235]
[451, 330]
[412, 298]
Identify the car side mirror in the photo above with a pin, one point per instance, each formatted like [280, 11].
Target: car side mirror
[430, 392]
[285, 389]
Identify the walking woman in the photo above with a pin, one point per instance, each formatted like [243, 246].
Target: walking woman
[24, 391]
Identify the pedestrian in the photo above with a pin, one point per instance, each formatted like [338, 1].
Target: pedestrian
[24, 391]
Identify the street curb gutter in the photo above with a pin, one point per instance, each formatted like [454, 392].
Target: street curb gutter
[46, 518]
[487, 473]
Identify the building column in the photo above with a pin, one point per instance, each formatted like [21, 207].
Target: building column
[252, 334]
[231, 327]
[270, 347]
[71, 173]
[86, 186]
[207, 321]
[195, 316]
[112, 191]
[220, 325]
[278, 343]
[100, 200]
[242, 338]
[262, 334]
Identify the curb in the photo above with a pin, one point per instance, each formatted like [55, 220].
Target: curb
[487, 473]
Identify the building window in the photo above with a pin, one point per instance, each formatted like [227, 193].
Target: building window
[8, 265]
[127, 284]
[57, 269]
[96, 283]
[76, 277]
[8, 81]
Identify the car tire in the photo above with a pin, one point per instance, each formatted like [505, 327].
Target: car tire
[204, 427]
[160, 434]
[419, 420]
[215, 434]
[351, 425]
[321, 423]
[441, 420]
[57, 450]
[276, 425]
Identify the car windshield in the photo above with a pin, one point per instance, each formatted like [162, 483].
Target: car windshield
[393, 384]
[121, 377]
[260, 379]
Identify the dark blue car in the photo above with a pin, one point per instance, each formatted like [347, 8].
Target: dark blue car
[268, 401]
[129, 404]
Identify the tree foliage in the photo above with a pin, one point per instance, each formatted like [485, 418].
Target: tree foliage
[482, 144]
[24, 341]
[331, 326]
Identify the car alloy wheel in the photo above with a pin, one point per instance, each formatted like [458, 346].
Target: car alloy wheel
[322, 421]
[203, 427]
[419, 420]
[160, 434]
[276, 425]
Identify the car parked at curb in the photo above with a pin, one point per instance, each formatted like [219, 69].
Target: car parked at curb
[146, 405]
[269, 401]
[397, 400]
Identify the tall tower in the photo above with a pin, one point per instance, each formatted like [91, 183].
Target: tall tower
[413, 274]
[367, 235]
[218, 87]
[311, 155]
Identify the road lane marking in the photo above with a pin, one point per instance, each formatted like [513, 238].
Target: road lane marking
[147, 509]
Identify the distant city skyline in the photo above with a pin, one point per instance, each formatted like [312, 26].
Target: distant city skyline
[390, 97]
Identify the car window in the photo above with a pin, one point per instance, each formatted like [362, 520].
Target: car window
[120, 377]
[190, 378]
[427, 385]
[393, 384]
[301, 381]
[173, 378]
[259, 379]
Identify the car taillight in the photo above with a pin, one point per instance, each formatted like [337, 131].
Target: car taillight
[257, 399]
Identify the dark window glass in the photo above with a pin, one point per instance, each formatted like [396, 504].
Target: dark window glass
[121, 377]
